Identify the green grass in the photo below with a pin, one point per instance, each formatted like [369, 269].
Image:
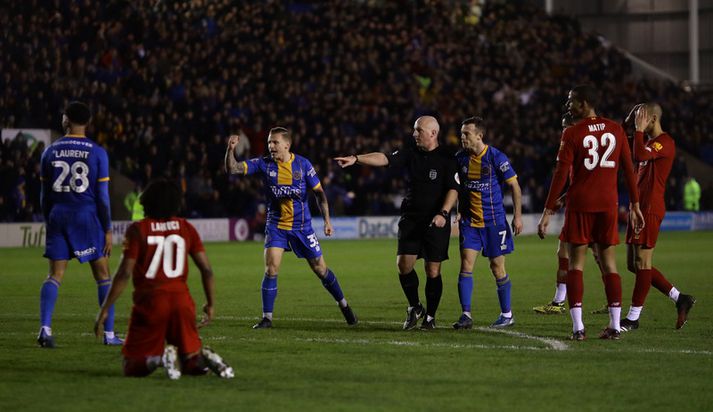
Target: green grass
[312, 361]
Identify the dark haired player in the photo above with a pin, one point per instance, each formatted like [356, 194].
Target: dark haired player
[75, 204]
[482, 170]
[287, 177]
[592, 151]
[425, 224]
[155, 257]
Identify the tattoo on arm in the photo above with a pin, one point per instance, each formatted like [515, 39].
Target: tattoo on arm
[232, 165]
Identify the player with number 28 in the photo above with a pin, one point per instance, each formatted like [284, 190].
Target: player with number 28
[75, 204]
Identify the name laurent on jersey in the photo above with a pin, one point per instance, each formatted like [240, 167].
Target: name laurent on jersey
[71, 153]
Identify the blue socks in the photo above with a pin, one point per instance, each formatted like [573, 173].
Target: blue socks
[465, 289]
[504, 287]
[331, 283]
[103, 290]
[269, 293]
[48, 297]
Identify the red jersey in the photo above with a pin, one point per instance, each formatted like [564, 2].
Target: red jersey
[592, 150]
[655, 161]
[161, 249]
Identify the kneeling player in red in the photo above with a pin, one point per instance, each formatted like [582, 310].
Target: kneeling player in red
[162, 328]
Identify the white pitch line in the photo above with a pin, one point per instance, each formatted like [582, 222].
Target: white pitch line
[551, 343]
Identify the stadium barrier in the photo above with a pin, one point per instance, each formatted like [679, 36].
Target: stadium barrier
[363, 227]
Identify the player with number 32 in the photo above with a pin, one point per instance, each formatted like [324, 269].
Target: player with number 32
[591, 152]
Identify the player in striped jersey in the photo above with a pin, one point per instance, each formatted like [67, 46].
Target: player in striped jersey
[287, 177]
[482, 169]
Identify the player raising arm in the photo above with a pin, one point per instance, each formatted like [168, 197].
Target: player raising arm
[156, 251]
[655, 159]
[287, 177]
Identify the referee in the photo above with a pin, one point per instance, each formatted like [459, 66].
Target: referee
[424, 227]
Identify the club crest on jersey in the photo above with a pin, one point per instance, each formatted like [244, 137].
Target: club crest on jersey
[465, 169]
[657, 146]
[485, 171]
[297, 175]
[432, 174]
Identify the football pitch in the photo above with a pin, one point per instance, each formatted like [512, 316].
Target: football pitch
[311, 360]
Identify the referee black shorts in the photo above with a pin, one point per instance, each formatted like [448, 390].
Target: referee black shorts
[418, 237]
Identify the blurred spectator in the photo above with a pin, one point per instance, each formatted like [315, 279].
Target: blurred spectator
[691, 195]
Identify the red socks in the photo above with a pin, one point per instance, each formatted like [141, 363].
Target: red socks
[612, 287]
[641, 287]
[575, 288]
[660, 282]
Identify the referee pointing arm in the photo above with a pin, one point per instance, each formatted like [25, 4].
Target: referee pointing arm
[424, 227]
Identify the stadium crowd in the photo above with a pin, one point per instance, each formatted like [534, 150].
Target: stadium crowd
[169, 81]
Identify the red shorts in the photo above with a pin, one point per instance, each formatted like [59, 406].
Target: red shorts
[158, 317]
[591, 227]
[648, 234]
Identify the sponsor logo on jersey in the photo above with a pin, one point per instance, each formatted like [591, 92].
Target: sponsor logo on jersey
[286, 191]
[272, 173]
[311, 172]
[86, 252]
[478, 186]
[432, 174]
[504, 167]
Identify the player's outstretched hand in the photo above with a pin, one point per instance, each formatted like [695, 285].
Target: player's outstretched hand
[99, 323]
[207, 315]
[233, 141]
[328, 229]
[438, 221]
[517, 225]
[346, 161]
[107, 244]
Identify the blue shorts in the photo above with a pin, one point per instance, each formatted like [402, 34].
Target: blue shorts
[493, 241]
[74, 234]
[303, 242]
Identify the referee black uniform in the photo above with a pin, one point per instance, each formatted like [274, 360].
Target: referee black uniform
[429, 176]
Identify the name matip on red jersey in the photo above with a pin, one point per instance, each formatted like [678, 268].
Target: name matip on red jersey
[161, 249]
[592, 151]
[655, 162]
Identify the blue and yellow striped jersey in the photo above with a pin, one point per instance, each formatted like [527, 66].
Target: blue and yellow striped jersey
[481, 177]
[286, 186]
